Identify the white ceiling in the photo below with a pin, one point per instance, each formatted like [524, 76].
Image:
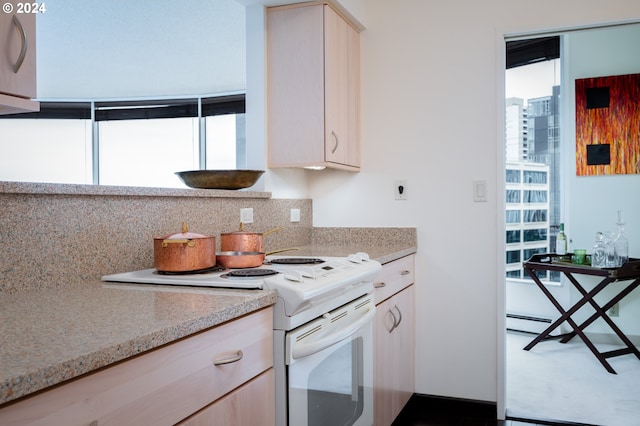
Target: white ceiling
[142, 48]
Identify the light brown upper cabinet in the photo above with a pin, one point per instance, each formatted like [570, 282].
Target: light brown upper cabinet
[313, 87]
[17, 63]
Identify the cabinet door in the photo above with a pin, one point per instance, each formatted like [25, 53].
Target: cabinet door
[251, 404]
[313, 88]
[295, 86]
[20, 81]
[17, 77]
[342, 74]
[394, 381]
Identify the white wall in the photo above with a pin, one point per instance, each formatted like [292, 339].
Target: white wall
[594, 200]
[432, 99]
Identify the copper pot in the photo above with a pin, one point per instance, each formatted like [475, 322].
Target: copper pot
[245, 259]
[241, 241]
[240, 259]
[184, 251]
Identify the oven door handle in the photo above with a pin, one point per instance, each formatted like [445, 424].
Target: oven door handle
[301, 350]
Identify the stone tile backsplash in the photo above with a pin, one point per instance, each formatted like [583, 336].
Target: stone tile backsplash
[53, 235]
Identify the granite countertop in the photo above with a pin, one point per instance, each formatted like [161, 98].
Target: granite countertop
[48, 336]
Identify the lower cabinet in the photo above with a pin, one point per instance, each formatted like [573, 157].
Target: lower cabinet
[213, 370]
[250, 405]
[394, 340]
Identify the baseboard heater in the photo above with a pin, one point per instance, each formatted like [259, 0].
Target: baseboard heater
[530, 324]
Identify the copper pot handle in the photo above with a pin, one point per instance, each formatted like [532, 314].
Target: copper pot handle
[271, 231]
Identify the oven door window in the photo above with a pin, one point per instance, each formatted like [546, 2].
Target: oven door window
[330, 387]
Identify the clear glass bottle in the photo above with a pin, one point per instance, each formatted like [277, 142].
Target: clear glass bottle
[621, 243]
[561, 241]
[610, 250]
[598, 253]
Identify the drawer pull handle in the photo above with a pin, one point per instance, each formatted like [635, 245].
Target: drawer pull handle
[380, 284]
[405, 272]
[235, 358]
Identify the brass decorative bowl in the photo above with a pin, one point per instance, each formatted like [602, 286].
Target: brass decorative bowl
[220, 179]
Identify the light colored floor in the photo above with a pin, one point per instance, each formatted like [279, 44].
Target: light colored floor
[565, 382]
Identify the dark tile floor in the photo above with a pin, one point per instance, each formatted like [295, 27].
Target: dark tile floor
[424, 410]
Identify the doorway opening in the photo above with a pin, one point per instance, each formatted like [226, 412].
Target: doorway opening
[549, 383]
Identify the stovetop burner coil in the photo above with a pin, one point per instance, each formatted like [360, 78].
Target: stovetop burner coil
[297, 261]
[216, 268]
[249, 273]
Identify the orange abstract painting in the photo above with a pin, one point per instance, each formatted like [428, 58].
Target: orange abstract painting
[608, 125]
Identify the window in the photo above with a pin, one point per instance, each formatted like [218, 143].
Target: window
[535, 177]
[535, 197]
[530, 235]
[513, 256]
[534, 216]
[513, 176]
[532, 148]
[140, 143]
[513, 236]
[513, 196]
[513, 216]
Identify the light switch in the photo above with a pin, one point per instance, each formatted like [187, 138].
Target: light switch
[479, 191]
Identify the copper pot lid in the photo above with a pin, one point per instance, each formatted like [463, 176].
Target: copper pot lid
[184, 235]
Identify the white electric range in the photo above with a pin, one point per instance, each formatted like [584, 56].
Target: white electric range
[323, 333]
[307, 286]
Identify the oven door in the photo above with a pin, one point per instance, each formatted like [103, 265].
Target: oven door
[330, 368]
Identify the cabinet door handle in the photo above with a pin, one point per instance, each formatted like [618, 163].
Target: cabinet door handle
[337, 142]
[399, 316]
[235, 358]
[395, 321]
[405, 272]
[380, 284]
[23, 47]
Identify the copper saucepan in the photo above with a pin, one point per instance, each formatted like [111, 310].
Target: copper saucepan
[184, 251]
[244, 259]
[244, 241]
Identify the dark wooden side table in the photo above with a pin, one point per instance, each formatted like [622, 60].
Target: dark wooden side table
[629, 272]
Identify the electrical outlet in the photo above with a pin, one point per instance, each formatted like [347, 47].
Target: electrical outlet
[295, 215]
[614, 311]
[400, 189]
[246, 215]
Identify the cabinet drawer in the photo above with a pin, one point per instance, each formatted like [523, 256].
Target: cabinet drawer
[250, 405]
[161, 387]
[394, 277]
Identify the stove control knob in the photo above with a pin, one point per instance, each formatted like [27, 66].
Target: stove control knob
[293, 276]
[358, 257]
[364, 256]
[307, 272]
